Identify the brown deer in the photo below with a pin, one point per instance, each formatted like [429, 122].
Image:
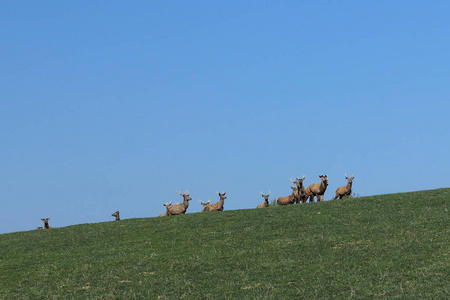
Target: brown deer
[301, 191]
[266, 201]
[286, 200]
[218, 206]
[178, 209]
[116, 214]
[317, 189]
[346, 190]
[204, 204]
[46, 226]
[39, 228]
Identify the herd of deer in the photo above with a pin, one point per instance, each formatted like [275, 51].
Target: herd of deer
[299, 194]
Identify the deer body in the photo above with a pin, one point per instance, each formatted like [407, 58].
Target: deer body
[266, 201]
[286, 200]
[317, 189]
[301, 191]
[46, 226]
[116, 214]
[179, 208]
[218, 206]
[346, 190]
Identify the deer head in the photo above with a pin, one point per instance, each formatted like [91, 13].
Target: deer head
[349, 179]
[185, 195]
[266, 197]
[324, 179]
[222, 195]
[116, 215]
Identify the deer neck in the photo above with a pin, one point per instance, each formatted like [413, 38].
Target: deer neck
[185, 203]
[46, 225]
[322, 187]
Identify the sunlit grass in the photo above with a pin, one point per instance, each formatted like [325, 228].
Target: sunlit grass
[390, 246]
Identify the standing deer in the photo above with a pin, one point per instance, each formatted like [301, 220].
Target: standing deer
[317, 189]
[179, 208]
[116, 214]
[266, 201]
[46, 226]
[218, 206]
[346, 190]
[301, 191]
[286, 200]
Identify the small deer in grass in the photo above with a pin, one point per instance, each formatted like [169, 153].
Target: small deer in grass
[178, 209]
[116, 214]
[301, 191]
[286, 200]
[266, 200]
[317, 189]
[218, 206]
[346, 190]
[39, 228]
[46, 226]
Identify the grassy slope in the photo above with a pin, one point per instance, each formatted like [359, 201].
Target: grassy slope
[396, 246]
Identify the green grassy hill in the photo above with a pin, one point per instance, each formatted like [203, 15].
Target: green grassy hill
[390, 246]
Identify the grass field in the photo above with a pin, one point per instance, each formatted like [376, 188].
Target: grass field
[390, 246]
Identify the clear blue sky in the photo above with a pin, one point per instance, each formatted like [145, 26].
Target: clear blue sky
[115, 105]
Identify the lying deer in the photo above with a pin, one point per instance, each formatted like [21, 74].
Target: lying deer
[346, 190]
[116, 214]
[179, 208]
[266, 201]
[204, 204]
[46, 226]
[218, 206]
[317, 189]
[286, 200]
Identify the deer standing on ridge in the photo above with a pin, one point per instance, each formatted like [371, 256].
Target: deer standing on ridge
[266, 201]
[46, 226]
[178, 209]
[301, 191]
[116, 214]
[346, 190]
[218, 206]
[317, 189]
